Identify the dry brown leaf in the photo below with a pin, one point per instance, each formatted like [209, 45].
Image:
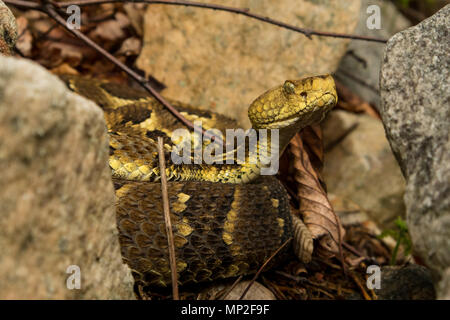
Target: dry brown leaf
[25, 41]
[108, 30]
[111, 30]
[100, 69]
[130, 47]
[96, 14]
[58, 53]
[315, 207]
[303, 241]
[312, 139]
[64, 69]
[135, 12]
[300, 269]
[350, 101]
[38, 21]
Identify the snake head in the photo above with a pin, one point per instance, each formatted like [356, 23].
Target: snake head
[296, 103]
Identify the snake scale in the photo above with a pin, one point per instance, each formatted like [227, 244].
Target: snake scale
[227, 219]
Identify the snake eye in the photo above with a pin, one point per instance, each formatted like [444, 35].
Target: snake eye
[289, 87]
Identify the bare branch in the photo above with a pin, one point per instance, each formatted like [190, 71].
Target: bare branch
[242, 11]
[263, 266]
[49, 9]
[235, 283]
[165, 198]
[25, 4]
[360, 286]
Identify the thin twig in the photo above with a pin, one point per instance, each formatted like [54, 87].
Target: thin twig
[354, 250]
[165, 198]
[303, 280]
[329, 295]
[358, 80]
[263, 266]
[352, 54]
[25, 4]
[360, 286]
[242, 11]
[49, 8]
[297, 279]
[235, 283]
[373, 293]
[341, 137]
[319, 287]
[274, 289]
[358, 253]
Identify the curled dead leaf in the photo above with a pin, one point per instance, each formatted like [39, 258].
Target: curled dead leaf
[111, 30]
[303, 240]
[25, 41]
[318, 214]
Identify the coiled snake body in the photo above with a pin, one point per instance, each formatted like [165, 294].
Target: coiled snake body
[227, 219]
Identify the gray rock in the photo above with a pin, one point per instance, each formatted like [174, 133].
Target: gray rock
[415, 93]
[410, 282]
[256, 292]
[56, 193]
[8, 30]
[371, 53]
[361, 167]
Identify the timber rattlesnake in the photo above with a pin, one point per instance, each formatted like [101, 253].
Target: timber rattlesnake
[227, 219]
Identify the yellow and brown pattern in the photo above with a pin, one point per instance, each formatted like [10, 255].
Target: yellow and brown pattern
[227, 219]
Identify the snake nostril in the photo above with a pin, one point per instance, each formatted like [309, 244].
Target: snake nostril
[304, 94]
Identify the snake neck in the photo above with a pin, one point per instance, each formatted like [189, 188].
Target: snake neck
[270, 145]
[244, 162]
[241, 163]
